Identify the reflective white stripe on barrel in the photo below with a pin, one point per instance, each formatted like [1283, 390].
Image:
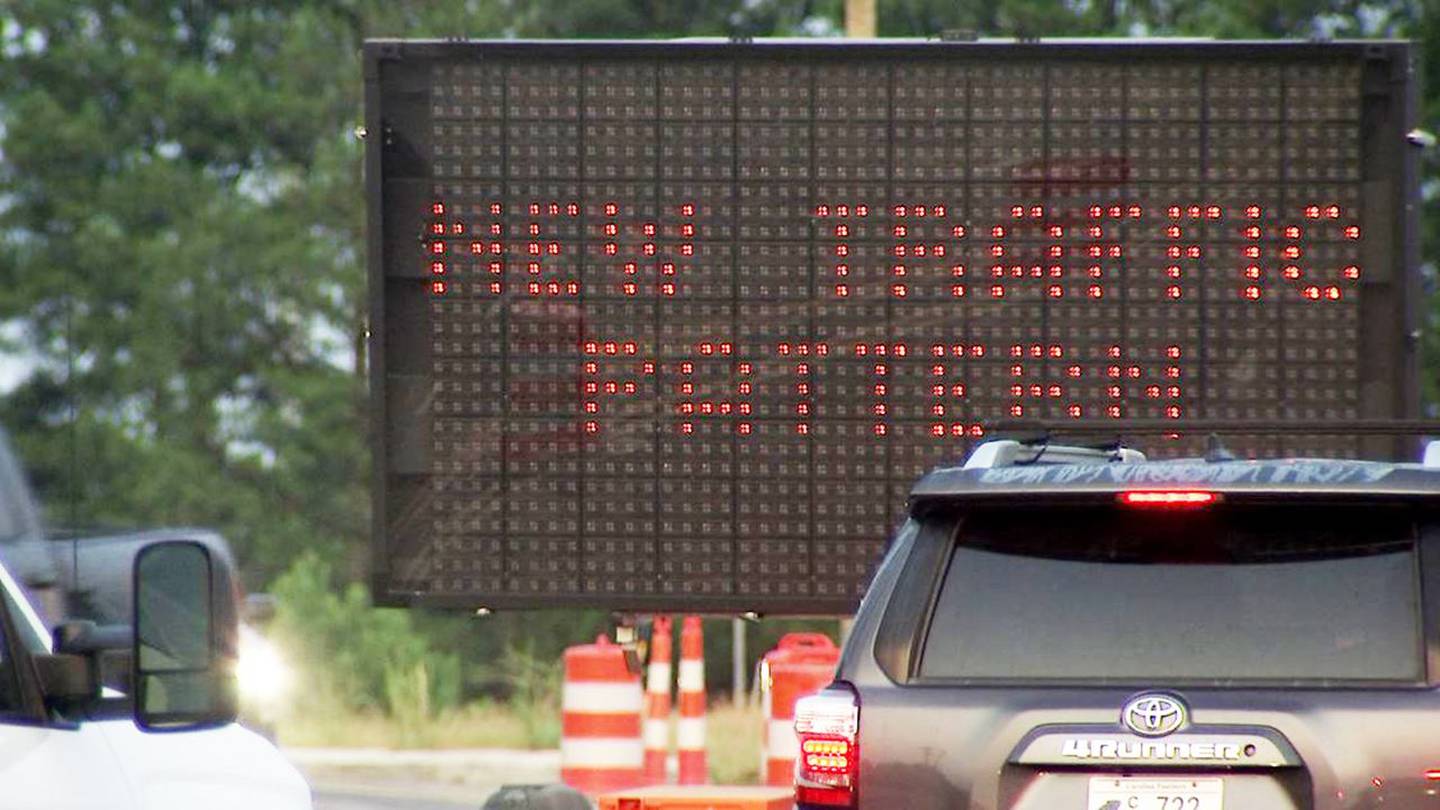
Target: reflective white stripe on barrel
[602, 752]
[596, 697]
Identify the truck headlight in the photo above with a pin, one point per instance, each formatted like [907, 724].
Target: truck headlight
[264, 677]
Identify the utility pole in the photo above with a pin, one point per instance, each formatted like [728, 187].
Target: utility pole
[738, 670]
[860, 19]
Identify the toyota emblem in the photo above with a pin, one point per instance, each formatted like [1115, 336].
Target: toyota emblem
[1153, 715]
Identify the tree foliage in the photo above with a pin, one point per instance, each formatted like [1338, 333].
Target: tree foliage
[181, 248]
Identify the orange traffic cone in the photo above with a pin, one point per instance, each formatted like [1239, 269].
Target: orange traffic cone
[690, 732]
[657, 701]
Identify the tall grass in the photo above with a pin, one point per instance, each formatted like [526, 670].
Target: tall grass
[733, 743]
[482, 724]
[733, 740]
[535, 687]
[410, 717]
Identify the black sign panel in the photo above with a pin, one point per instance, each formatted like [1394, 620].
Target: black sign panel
[676, 325]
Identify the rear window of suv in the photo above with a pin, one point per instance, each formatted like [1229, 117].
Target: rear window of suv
[1224, 594]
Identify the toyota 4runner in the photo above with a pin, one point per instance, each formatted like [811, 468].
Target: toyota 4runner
[1062, 628]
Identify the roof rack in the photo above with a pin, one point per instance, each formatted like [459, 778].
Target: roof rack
[1018, 453]
[1277, 427]
[1022, 443]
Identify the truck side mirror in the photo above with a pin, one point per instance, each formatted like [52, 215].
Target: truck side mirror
[185, 644]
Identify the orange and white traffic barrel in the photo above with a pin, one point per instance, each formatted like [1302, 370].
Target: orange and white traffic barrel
[690, 730]
[801, 664]
[600, 745]
[657, 701]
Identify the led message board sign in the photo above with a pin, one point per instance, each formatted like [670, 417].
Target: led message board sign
[676, 325]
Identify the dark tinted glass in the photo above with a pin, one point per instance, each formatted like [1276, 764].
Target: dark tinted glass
[171, 616]
[1288, 594]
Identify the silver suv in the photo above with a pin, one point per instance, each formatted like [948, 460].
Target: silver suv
[1061, 628]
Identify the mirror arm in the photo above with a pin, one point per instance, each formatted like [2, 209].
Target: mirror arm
[84, 662]
[88, 638]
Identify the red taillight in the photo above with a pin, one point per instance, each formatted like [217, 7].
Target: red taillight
[1432, 775]
[1168, 498]
[828, 765]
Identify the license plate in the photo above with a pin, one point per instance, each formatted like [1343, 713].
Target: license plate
[1134, 793]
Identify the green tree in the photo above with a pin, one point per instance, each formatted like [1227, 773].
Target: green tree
[645, 19]
[180, 246]
[1019, 18]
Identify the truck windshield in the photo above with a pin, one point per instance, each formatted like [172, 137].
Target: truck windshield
[1272, 593]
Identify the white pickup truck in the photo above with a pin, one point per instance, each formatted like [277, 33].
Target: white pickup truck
[173, 744]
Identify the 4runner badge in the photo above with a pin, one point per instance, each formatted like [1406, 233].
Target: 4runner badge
[1153, 715]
